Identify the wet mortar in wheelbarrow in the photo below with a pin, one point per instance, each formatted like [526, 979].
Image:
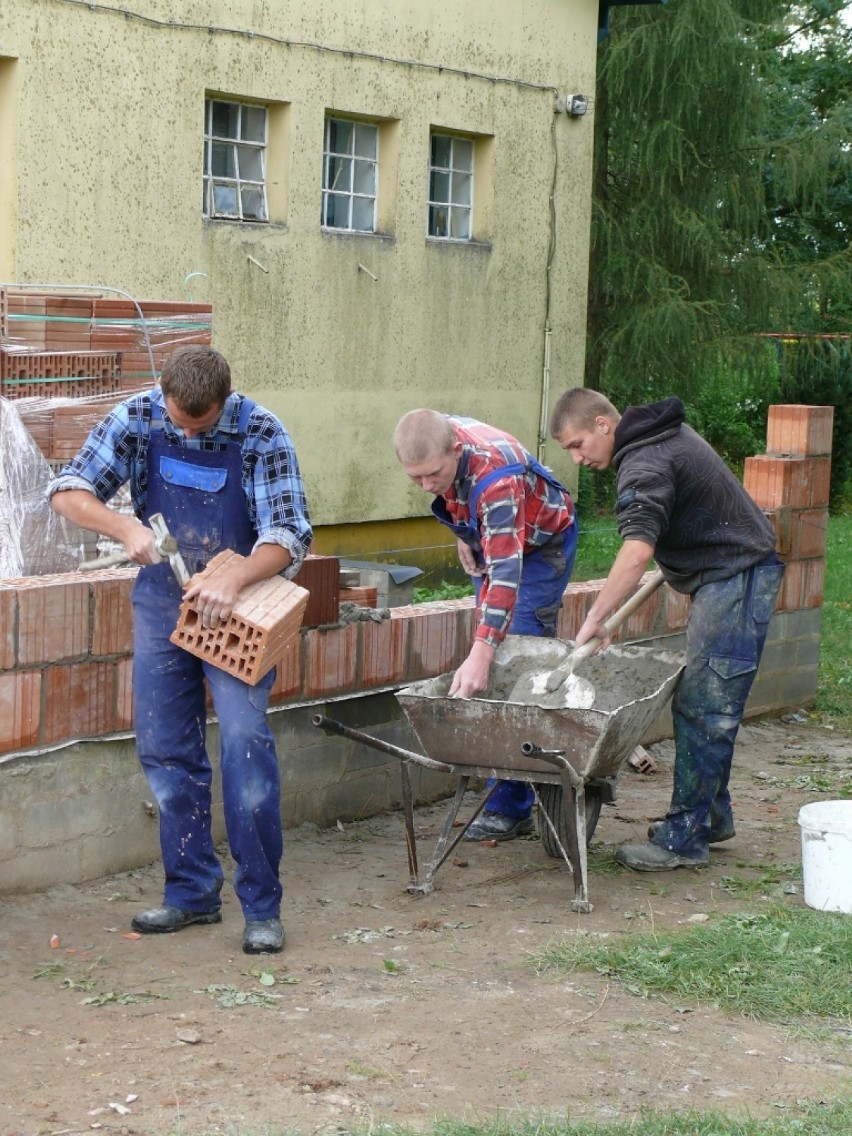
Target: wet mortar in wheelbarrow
[571, 756]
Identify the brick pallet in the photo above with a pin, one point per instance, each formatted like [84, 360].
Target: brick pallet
[266, 618]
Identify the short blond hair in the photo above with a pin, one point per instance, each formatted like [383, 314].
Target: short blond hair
[581, 406]
[421, 435]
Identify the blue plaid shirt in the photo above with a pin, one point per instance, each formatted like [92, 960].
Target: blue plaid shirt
[116, 452]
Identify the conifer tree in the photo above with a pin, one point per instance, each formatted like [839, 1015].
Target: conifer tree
[722, 199]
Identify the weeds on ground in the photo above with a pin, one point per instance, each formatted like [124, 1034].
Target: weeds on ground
[782, 964]
[809, 1120]
[834, 694]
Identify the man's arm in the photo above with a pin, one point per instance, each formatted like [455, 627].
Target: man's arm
[627, 570]
[85, 510]
[215, 597]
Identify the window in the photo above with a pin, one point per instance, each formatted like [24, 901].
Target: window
[235, 137]
[450, 187]
[350, 175]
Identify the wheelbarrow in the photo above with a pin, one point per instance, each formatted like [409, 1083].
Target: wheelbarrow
[571, 757]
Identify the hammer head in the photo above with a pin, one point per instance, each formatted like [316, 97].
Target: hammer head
[167, 547]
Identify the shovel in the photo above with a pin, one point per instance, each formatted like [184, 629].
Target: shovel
[561, 688]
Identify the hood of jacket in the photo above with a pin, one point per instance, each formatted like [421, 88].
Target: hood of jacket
[640, 425]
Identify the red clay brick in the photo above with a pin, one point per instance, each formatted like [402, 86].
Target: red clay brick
[20, 700]
[773, 482]
[320, 576]
[331, 660]
[791, 597]
[801, 431]
[433, 640]
[112, 626]
[781, 520]
[8, 626]
[79, 701]
[53, 620]
[677, 609]
[383, 652]
[124, 694]
[820, 482]
[643, 620]
[808, 533]
[813, 592]
[265, 618]
[288, 675]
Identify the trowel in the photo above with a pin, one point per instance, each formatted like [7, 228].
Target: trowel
[561, 688]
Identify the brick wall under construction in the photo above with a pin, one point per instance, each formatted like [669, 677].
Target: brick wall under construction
[65, 679]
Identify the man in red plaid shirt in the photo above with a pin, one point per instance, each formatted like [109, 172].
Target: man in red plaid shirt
[516, 534]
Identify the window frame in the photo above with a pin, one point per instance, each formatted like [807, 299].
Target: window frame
[452, 208]
[350, 157]
[240, 147]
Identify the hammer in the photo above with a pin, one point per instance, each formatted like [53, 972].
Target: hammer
[165, 546]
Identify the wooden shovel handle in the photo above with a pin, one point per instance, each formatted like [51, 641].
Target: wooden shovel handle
[566, 667]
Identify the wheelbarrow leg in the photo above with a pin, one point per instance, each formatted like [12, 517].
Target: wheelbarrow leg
[445, 845]
[574, 799]
[408, 813]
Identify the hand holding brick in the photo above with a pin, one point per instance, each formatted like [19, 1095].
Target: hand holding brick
[265, 619]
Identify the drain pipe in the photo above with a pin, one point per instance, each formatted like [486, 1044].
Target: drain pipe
[544, 404]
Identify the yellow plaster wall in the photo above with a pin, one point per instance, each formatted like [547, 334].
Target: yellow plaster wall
[102, 109]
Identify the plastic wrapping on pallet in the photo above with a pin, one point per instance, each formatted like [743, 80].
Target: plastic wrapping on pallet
[34, 541]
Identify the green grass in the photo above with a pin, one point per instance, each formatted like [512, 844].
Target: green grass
[783, 965]
[833, 702]
[809, 1120]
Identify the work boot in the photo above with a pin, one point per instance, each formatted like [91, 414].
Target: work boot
[723, 830]
[497, 826]
[263, 937]
[654, 858]
[161, 920]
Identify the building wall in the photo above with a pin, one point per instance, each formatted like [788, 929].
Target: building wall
[102, 112]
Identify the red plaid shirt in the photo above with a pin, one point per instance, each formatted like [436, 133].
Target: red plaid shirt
[515, 514]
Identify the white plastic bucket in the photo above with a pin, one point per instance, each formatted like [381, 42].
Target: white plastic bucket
[827, 854]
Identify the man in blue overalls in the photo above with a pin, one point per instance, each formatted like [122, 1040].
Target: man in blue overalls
[516, 534]
[223, 472]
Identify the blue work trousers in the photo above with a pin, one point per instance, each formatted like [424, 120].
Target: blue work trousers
[545, 576]
[725, 635]
[170, 713]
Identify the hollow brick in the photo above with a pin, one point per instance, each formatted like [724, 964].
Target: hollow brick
[803, 431]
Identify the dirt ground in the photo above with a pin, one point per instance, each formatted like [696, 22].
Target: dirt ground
[399, 1008]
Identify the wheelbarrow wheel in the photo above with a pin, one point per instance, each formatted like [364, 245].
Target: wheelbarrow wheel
[551, 799]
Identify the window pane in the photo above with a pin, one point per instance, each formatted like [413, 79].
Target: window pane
[250, 163]
[222, 157]
[461, 189]
[225, 119]
[365, 140]
[362, 214]
[339, 175]
[441, 150]
[254, 124]
[460, 224]
[462, 154]
[339, 136]
[252, 201]
[365, 178]
[337, 210]
[439, 186]
[224, 198]
[437, 220]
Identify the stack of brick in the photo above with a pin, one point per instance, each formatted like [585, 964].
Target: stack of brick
[265, 621]
[68, 359]
[791, 483]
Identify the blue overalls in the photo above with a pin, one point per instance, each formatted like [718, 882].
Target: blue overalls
[544, 578]
[200, 494]
[725, 634]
